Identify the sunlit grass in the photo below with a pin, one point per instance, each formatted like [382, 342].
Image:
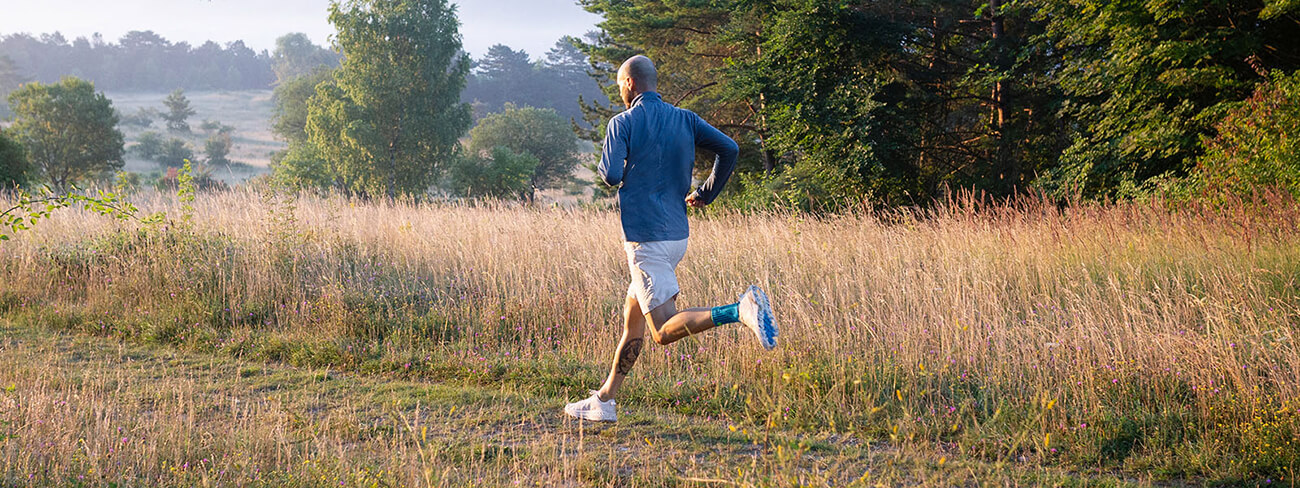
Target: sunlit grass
[1126, 337]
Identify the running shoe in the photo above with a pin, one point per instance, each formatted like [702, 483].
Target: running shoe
[592, 409]
[756, 312]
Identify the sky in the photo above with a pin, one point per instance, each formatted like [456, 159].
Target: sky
[531, 25]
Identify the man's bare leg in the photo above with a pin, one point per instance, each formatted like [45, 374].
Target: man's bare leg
[669, 325]
[629, 348]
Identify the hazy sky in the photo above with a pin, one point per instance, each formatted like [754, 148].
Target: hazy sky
[532, 25]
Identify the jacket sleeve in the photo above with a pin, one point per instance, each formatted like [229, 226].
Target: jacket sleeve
[724, 161]
[613, 154]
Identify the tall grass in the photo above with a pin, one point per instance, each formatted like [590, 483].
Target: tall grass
[1115, 337]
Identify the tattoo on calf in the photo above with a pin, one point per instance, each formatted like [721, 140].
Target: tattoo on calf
[627, 356]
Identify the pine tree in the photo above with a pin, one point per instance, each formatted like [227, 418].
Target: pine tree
[178, 111]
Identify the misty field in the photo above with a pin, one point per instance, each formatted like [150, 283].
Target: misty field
[249, 112]
[273, 340]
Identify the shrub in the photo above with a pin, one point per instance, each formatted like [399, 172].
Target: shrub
[1258, 145]
[174, 153]
[505, 175]
[302, 167]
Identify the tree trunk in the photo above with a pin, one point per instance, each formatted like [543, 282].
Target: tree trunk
[999, 56]
[768, 160]
[392, 160]
[1005, 163]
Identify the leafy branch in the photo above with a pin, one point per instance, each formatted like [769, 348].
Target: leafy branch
[30, 209]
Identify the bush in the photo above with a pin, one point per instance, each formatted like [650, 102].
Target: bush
[142, 118]
[148, 145]
[302, 168]
[218, 148]
[538, 132]
[505, 175]
[1258, 145]
[807, 185]
[174, 153]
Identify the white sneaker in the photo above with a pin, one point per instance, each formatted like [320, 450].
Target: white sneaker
[592, 409]
[756, 312]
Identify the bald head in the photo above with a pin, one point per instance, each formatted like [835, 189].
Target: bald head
[637, 75]
[641, 70]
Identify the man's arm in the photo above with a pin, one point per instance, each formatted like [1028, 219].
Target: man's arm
[726, 150]
[613, 153]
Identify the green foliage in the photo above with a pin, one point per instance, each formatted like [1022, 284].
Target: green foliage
[68, 130]
[505, 175]
[538, 132]
[126, 182]
[302, 168]
[178, 111]
[1257, 146]
[29, 209]
[290, 118]
[173, 153]
[557, 81]
[813, 80]
[809, 184]
[896, 101]
[504, 72]
[211, 127]
[296, 56]
[391, 114]
[14, 170]
[185, 191]
[148, 145]
[217, 148]
[142, 118]
[891, 99]
[1146, 81]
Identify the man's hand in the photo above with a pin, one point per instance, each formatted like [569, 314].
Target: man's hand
[693, 200]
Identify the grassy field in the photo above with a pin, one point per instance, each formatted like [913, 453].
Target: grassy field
[272, 340]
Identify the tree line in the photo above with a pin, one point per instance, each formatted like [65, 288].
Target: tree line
[507, 92]
[896, 102]
[558, 81]
[833, 101]
[145, 61]
[139, 61]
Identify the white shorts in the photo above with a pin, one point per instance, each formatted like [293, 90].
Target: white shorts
[653, 266]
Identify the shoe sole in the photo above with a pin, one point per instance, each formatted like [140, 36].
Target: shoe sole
[766, 320]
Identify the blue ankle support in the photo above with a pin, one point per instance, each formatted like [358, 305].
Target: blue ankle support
[726, 314]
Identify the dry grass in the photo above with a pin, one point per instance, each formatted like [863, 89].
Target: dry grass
[1124, 338]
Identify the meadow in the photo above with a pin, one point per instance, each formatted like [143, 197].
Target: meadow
[262, 339]
[248, 111]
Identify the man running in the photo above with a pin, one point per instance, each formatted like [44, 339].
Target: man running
[650, 150]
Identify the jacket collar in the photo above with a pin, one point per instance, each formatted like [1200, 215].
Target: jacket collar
[647, 96]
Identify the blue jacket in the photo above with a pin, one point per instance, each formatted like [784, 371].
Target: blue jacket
[650, 150]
